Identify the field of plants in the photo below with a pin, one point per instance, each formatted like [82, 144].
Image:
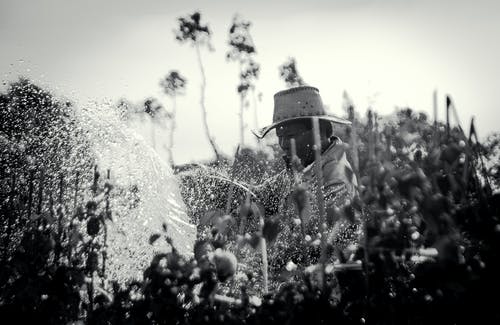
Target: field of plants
[427, 214]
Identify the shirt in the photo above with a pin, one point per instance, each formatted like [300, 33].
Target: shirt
[296, 240]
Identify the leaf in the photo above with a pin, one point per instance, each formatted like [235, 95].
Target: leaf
[153, 238]
[333, 214]
[254, 241]
[201, 249]
[271, 229]
[349, 214]
[221, 223]
[451, 153]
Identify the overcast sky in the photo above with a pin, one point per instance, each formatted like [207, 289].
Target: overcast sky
[384, 53]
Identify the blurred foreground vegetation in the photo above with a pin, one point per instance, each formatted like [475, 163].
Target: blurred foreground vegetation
[426, 202]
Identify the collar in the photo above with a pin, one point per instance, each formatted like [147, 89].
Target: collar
[327, 152]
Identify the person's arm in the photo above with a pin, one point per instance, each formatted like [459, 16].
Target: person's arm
[339, 184]
[339, 179]
[340, 187]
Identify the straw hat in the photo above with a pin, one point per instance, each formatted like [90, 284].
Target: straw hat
[298, 103]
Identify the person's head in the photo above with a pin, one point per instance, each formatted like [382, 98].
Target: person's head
[293, 110]
[301, 130]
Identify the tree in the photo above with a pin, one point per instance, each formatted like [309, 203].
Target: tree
[173, 84]
[41, 131]
[126, 109]
[289, 73]
[242, 50]
[191, 30]
[155, 111]
[44, 150]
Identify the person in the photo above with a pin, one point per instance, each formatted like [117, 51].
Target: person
[292, 193]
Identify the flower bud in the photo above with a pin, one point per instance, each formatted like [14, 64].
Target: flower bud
[225, 264]
[93, 226]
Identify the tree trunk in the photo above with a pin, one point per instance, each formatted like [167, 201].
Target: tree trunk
[172, 129]
[242, 125]
[256, 117]
[242, 104]
[202, 105]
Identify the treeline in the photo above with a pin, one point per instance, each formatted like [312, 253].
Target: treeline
[241, 50]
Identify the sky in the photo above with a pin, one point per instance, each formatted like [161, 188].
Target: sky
[384, 53]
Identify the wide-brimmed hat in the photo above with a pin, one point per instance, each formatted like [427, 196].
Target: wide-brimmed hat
[298, 103]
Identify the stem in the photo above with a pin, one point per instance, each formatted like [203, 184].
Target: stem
[90, 293]
[172, 129]
[293, 148]
[75, 199]
[231, 185]
[447, 118]
[58, 247]
[355, 158]
[256, 116]
[40, 193]
[96, 179]
[40, 197]
[10, 216]
[242, 102]
[51, 210]
[371, 144]
[61, 188]
[244, 216]
[30, 192]
[435, 106]
[242, 124]
[375, 136]
[255, 112]
[319, 195]
[457, 119]
[388, 144]
[354, 143]
[202, 103]
[265, 265]
[76, 191]
[263, 247]
[105, 245]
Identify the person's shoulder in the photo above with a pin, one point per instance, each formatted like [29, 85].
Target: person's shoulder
[336, 167]
[335, 152]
